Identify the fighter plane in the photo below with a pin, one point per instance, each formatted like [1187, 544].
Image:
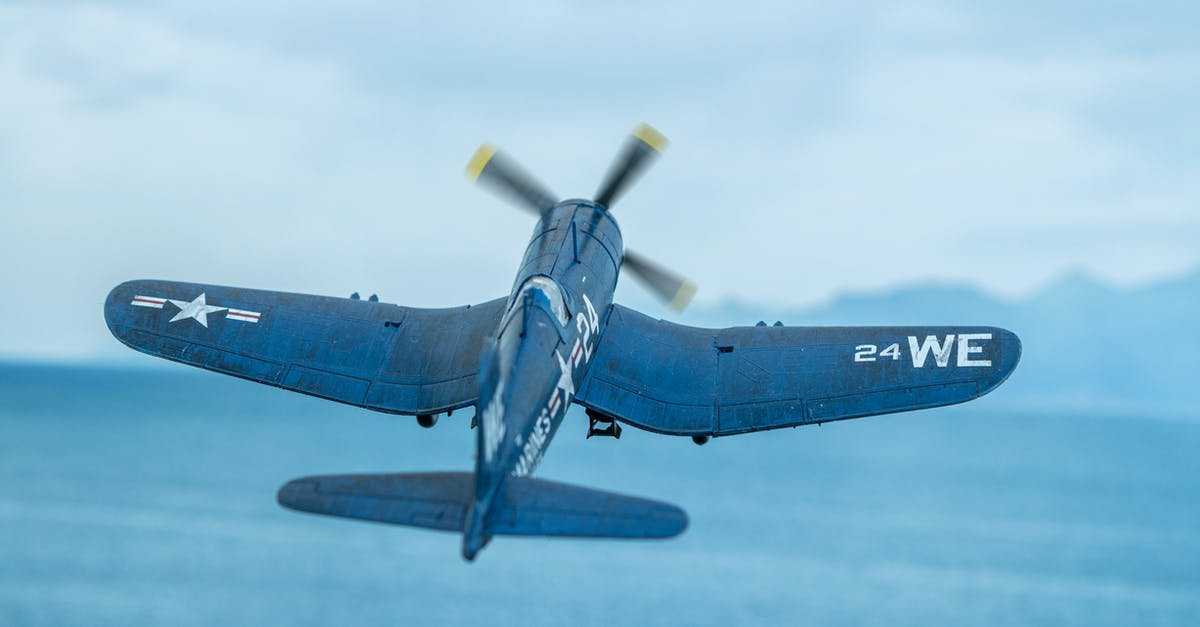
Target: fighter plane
[521, 360]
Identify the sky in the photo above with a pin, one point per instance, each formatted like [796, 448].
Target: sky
[817, 148]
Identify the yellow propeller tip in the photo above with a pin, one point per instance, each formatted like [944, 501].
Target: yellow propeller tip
[651, 137]
[479, 161]
[683, 296]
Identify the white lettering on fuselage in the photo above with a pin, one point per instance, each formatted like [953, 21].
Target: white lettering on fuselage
[586, 325]
[587, 322]
[920, 350]
[493, 424]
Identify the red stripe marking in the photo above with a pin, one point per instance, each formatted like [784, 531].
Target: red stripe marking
[554, 403]
[575, 355]
[244, 315]
[155, 301]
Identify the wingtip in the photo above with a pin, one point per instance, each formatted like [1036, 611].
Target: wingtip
[117, 311]
[1011, 350]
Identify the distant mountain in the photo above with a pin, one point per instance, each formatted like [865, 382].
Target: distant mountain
[1086, 343]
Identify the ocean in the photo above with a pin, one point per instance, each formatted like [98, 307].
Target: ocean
[147, 497]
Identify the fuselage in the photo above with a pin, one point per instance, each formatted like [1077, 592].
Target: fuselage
[542, 348]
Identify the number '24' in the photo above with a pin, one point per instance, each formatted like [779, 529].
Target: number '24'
[866, 352]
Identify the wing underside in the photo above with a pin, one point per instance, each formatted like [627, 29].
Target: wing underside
[681, 380]
[375, 355]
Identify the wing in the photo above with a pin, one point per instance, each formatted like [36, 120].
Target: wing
[680, 380]
[375, 355]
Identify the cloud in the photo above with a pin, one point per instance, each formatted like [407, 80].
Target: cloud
[922, 158]
[133, 148]
[815, 148]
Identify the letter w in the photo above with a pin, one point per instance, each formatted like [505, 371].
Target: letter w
[941, 352]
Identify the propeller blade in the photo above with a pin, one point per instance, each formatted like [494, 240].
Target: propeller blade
[640, 150]
[674, 290]
[493, 168]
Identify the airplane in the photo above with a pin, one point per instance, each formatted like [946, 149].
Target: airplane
[521, 360]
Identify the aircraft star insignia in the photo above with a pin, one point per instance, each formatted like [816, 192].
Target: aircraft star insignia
[565, 382]
[197, 309]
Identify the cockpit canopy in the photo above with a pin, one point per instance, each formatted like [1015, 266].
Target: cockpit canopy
[544, 292]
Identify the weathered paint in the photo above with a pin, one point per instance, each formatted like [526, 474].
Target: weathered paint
[537, 360]
[522, 361]
[714, 382]
[383, 357]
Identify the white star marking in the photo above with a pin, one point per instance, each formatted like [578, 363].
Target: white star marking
[565, 382]
[198, 310]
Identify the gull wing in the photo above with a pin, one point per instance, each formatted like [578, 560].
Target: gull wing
[375, 355]
[681, 380]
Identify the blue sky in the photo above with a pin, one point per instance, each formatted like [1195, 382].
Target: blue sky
[816, 148]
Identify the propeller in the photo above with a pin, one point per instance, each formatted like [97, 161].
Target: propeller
[641, 149]
[673, 289]
[495, 169]
[491, 167]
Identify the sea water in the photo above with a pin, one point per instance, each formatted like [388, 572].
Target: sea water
[132, 497]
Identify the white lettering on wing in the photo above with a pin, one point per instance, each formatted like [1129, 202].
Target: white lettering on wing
[965, 350]
[939, 348]
[941, 351]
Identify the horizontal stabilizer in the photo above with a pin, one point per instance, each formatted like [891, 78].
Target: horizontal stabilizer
[433, 500]
[525, 507]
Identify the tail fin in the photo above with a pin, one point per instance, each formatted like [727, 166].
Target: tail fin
[524, 507]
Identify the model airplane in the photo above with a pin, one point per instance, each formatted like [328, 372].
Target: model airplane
[521, 360]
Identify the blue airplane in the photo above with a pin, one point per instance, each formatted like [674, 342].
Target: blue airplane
[521, 360]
